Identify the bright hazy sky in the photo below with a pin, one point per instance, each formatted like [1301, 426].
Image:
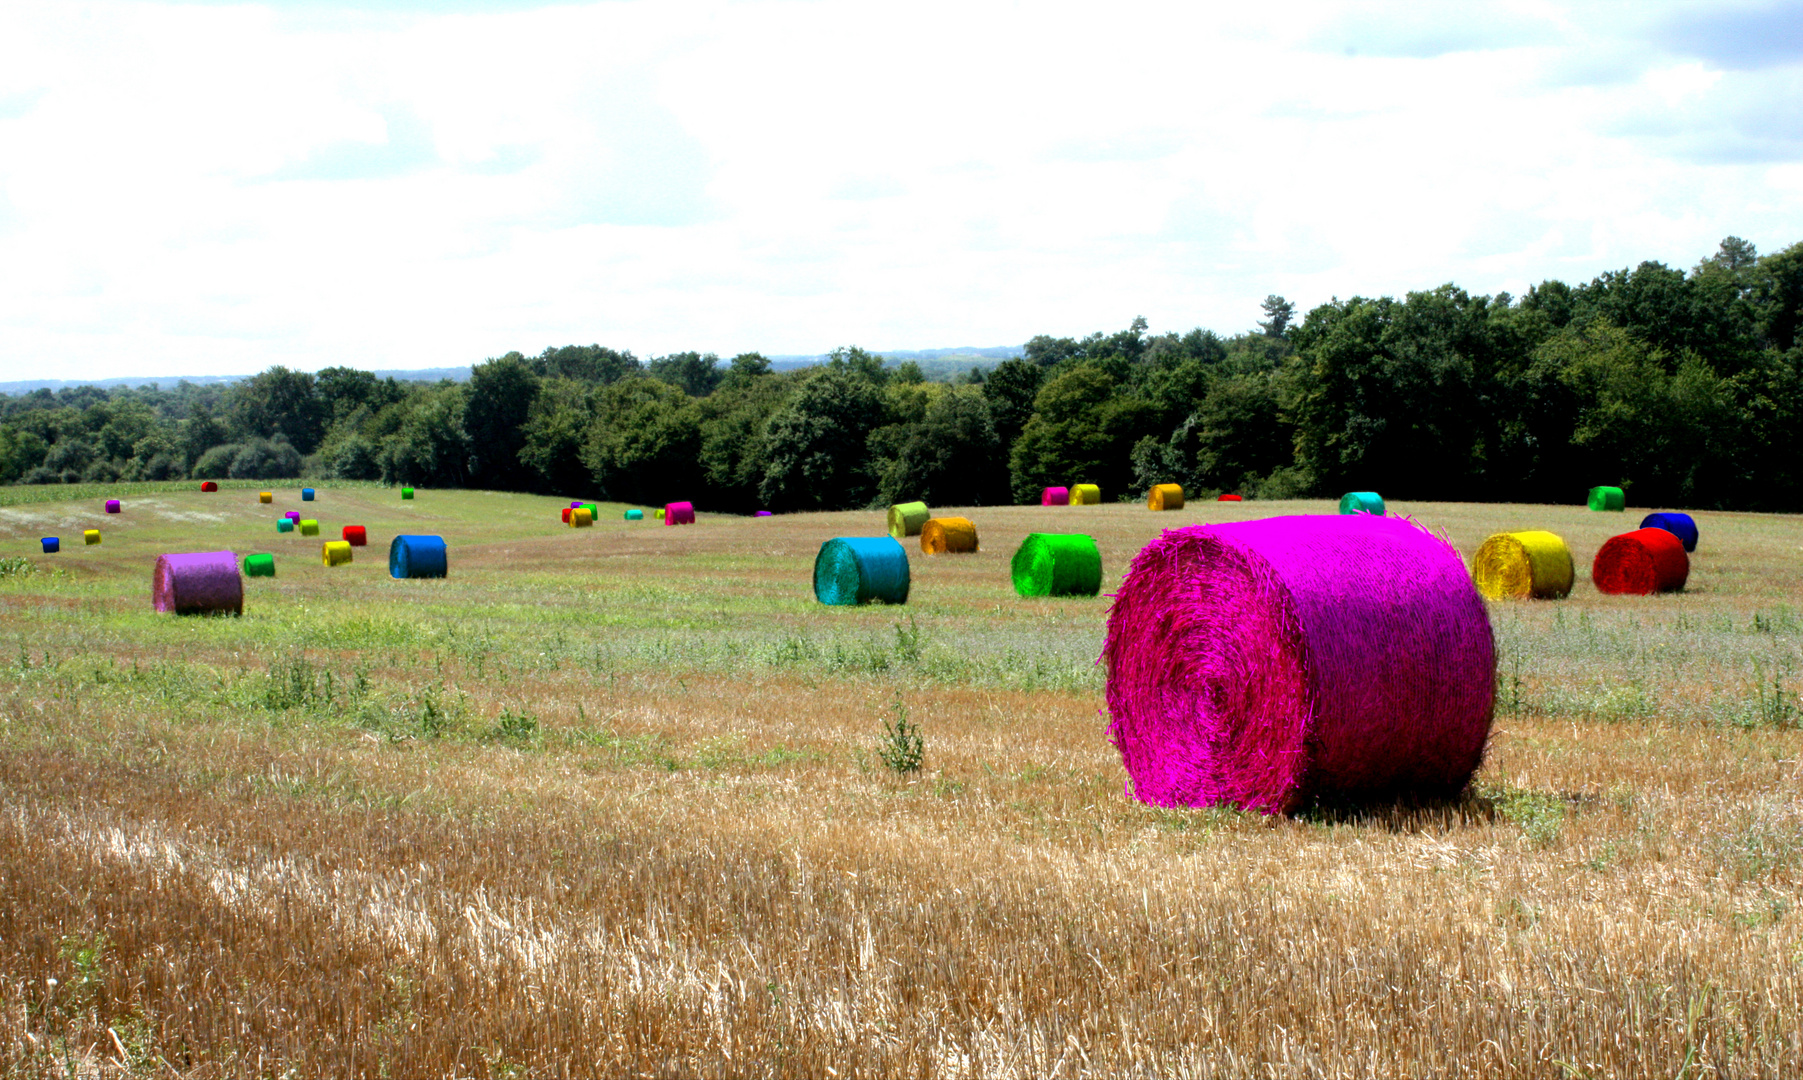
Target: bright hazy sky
[211, 188]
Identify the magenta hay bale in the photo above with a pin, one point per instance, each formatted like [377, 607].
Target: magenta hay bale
[198, 583]
[679, 513]
[1269, 664]
[1055, 496]
[291, 515]
[112, 506]
[763, 513]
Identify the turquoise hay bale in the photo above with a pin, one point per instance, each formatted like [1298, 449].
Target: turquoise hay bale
[1057, 564]
[861, 570]
[635, 514]
[284, 524]
[417, 557]
[1362, 502]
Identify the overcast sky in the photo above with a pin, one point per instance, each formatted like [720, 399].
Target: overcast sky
[211, 188]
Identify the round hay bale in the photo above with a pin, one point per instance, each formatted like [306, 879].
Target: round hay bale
[580, 518]
[406, 493]
[1522, 565]
[1055, 496]
[284, 524]
[1362, 502]
[112, 506]
[594, 512]
[90, 537]
[1266, 664]
[306, 494]
[906, 519]
[266, 496]
[1057, 564]
[948, 535]
[1228, 496]
[259, 565]
[660, 513]
[1165, 497]
[1682, 526]
[309, 527]
[355, 535]
[291, 515]
[208, 485]
[417, 557]
[763, 513]
[334, 553]
[198, 583]
[635, 514]
[567, 511]
[52, 544]
[861, 570]
[1086, 494]
[1607, 498]
[575, 504]
[679, 513]
[1640, 563]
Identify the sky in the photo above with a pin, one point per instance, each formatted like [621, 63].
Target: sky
[212, 188]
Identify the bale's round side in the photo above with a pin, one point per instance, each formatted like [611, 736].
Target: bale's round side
[208, 485]
[861, 570]
[90, 536]
[948, 536]
[260, 565]
[1266, 664]
[679, 513]
[52, 544]
[906, 519]
[417, 557]
[1522, 565]
[1362, 502]
[1057, 564]
[334, 553]
[1165, 497]
[1086, 494]
[197, 583]
[580, 518]
[1607, 498]
[1228, 496]
[309, 527]
[1640, 563]
[1055, 496]
[284, 524]
[355, 535]
[1682, 526]
[635, 514]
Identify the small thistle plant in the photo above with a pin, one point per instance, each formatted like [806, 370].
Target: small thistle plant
[901, 747]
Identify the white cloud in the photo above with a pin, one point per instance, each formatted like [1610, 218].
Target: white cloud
[211, 189]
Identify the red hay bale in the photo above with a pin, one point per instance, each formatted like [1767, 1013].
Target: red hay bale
[356, 536]
[1640, 563]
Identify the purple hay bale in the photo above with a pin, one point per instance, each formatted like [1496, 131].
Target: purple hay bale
[292, 515]
[112, 506]
[199, 583]
[1269, 664]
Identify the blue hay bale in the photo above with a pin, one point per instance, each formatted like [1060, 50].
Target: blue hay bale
[52, 545]
[1682, 526]
[306, 494]
[861, 570]
[416, 557]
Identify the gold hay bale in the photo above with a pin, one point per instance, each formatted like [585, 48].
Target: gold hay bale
[1520, 565]
[1085, 494]
[1165, 497]
[335, 553]
[948, 535]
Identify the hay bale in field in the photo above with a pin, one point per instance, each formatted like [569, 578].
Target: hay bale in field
[861, 570]
[580, 518]
[574, 504]
[567, 511]
[355, 535]
[198, 583]
[948, 536]
[266, 496]
[635, 514]
[1362, 502]
[1057, 564]
[308, 527]
[112, 506]
[291, 515]
[1521, 565]
[90, 537]
[660, 513]
[1055, 496]
[1682, 526]
[306, 494]
[406, 493]
[906, 519]
[1640, 563]
[284, 524]
[679, 513]
[262, 565]
[1228, 496]
[1607, 498]
[417, 557]
[52, 544]
[763, 513]
[208, 485]
[1086, 494]
[334, 553]
[1165, 497]
[1267, 664]
[594, 511]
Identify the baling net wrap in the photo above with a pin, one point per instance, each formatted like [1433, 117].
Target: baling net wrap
[1362, 502]
[906, 519]
[861, 570]
[416, 557]
[1266, 664]
[1086, 494]
[1682, 526]
[1640, 563]
[1165, 497]
[1608, 498]
[679, 513]
[1055, 496]
[1521, 565]
[261, 565]
[948, 535]
[198, 583]
[1057, 564]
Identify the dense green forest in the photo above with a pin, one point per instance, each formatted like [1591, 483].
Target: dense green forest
[1684, 388]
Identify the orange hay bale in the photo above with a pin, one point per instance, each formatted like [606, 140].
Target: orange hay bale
[948, 536]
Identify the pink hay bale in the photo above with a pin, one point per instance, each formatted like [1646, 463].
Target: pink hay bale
[1269, 664]
[198, 583]
[679, 513]
[1055, 496]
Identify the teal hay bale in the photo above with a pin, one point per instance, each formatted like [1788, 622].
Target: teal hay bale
[861, 570]
[284, 524]
[261, 565]
[306, 494]
[1057, 564]
[1607, 499]
[1362, 502]
[635, 514]
[416, 557]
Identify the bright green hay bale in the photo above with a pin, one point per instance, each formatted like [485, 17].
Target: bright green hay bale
[1362, 502]
[406, 493]
[1608, 498]
[905, 519]
[1057, 564]
[259, 565]
[861, 570]
[309, 527]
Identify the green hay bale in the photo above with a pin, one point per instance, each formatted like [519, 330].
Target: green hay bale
[1057, 564]
[259, 565]
[1608, 498]
[905, 519]
[406, 493]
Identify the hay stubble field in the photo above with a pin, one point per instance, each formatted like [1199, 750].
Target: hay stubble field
[609, 802]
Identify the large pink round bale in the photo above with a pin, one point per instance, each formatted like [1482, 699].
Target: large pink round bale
[1269, 664]
[198, 583]
[679, 513]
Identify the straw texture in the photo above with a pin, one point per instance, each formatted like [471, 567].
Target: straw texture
[1267, 664]
[906, 519]
[679, 513]
[112, 506]
[1682, 526]
[334, 553]
[1362, 502]
[1086, 494]
[948, 536]
[200, 583]
[1057, 564]
[1055, 496]
[1522, 565]
[90, 536]
[309, 527]
[1607, 498]
[355, 535]
[52, 544]
[635, 514]
[306, 494]
[284, 524]
[1640, 563]
[861, 570]
[1228, 496]
[266, 496]
[262, 565]
[417, 557]
[208, 485]
[1165, 497]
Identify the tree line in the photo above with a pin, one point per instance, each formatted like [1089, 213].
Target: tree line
[1684, 387]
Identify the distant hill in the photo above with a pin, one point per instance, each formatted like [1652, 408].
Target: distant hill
[455, 374]
[939, 365]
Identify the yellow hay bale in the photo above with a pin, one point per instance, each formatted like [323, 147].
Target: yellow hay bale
[1520, 565]
[335, 552]
[1165, 497]
[1085, 494]
[948, 535]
